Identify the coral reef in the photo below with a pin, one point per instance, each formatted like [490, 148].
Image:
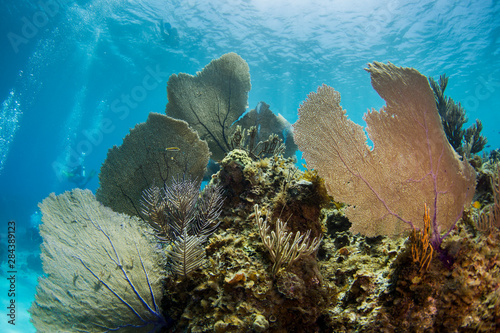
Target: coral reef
[208, 261]
[411, 162]
[357, 284]
[489, 217]
[383, 289]
[236, 291]
[153, 152]
[461, 299]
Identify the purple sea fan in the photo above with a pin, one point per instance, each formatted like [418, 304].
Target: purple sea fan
[411, 162]
[102, 270]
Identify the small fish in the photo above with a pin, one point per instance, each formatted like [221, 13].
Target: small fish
[476, 204]
[172, 149]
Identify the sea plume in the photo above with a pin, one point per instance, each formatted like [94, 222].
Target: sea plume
[184, 219]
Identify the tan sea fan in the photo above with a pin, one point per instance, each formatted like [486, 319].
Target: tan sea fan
[410, 163]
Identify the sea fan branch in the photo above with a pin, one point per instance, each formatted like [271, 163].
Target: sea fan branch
[119, 264]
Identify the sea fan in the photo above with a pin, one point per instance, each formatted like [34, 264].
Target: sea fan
[103, 271]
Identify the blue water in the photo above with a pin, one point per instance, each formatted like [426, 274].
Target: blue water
[77, 75]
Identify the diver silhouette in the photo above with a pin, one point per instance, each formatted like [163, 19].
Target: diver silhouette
[78, 174]
[169, 34]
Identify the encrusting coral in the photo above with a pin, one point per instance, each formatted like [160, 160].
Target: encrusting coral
[411, 162]
[489, 217]
[236, 291]
[153, 152]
